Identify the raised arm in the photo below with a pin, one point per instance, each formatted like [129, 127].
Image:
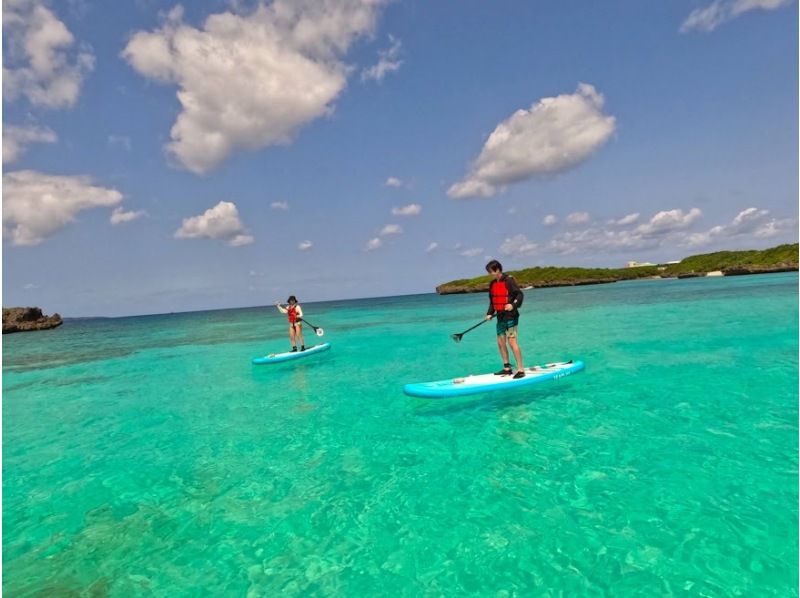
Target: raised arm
[281, 308]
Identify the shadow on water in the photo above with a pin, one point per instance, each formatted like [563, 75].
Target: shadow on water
[265, 371]
[58, 382]
[494, 401]
[90, 354]
[295, 387]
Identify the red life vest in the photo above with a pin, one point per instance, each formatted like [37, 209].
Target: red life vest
[292, 313]
[498, 291]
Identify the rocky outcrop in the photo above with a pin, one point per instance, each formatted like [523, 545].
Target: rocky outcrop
[23, 319]
[744, 270]
[455, 289]
[460, 288]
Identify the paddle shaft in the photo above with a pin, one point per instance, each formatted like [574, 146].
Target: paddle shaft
[472, 328]
[309, 323]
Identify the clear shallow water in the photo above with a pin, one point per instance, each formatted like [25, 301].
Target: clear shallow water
[146, 456]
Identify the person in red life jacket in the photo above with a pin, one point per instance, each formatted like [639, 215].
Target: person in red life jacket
[505, 298]
[295, 314]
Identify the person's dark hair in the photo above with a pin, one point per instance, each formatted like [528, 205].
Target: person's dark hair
[291, 298]
[494, 266]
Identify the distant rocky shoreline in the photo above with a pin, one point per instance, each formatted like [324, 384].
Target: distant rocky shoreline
[455, 289]
[462, 288]
[736, 272]
[25, 319]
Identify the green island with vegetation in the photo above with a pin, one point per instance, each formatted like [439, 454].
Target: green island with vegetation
[783, 258]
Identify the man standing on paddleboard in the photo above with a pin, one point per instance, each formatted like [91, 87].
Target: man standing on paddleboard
[295, 315]
[505, 298]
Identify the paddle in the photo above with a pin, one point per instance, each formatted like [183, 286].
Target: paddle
[457, 337]
[319, 331]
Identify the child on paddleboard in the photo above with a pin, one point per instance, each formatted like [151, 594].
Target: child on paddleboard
[295, 314]
[505, 298]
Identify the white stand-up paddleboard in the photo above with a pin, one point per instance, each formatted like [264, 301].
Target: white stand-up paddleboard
[289, 355]
[470, 385]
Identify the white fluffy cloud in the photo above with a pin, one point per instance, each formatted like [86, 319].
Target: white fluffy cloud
[305, 245]
[751, 221]
[668, 221]
[16, 139]
[413, 209]
[239, 240]
[36, 205]
[776, 227]
[391, 229]
[388, 62]
[668, 228]
[386, 231]
[599, 240]
[626, 220]
[578, 218]
[432, 247]
[712, 16]
[553, 135]
[373, 244]
[393, 182]
[279, 205]
[518, 245]
[40, 62]
[550, 220]
[119, 215]
[472, 252]
[247, 81]
[220, 222]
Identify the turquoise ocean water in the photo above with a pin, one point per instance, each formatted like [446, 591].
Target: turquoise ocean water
[147, 457]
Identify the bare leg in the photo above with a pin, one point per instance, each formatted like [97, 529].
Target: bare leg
[517, 352]
[291, 336]
[299, 334]
[501, 344]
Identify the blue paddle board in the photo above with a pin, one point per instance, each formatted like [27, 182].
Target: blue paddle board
[470, 385]
[289, 355]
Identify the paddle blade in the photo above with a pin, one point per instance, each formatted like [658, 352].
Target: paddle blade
[456, 337]
[319, 331]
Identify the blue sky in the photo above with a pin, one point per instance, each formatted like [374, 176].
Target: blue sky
[159, 158]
